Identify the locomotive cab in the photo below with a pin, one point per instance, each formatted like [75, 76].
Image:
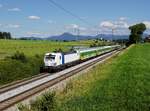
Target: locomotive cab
[52, 59]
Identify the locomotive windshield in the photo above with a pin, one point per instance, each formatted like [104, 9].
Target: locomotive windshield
[50, 57]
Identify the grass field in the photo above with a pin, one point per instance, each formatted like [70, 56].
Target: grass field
[12, 70]
[121, 84]
[32, 47]
[34, 50]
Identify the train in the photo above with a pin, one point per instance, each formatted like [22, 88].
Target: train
[56, 61]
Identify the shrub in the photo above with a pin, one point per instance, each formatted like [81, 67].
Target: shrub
[19, 56]
[58, 50]
[22, 107]
[12, 69]
[37, 55]
[93, 45]
[44, 103]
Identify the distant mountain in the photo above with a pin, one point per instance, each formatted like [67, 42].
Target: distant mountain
[110, 37]
[31, 38]
[69, 37]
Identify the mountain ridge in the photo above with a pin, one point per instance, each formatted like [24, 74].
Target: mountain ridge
[69, 37]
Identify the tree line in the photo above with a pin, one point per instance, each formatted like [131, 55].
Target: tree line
[5, 35]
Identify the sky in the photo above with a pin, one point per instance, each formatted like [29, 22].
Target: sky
[41, 18]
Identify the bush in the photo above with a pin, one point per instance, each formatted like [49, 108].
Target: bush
[12, 69]
[93, 45]
[19, 56]
[44, 103]
[22, 107]
[58, 50]
[37, 55]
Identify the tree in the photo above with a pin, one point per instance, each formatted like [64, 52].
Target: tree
[5, 35]
[136, 33]
[1, 35]
[9, 35]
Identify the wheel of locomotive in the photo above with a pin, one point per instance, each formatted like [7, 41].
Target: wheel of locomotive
[62, 67]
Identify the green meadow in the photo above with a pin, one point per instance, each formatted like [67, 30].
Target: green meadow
[120, 84]
[30, 56]
[33, 50]
[32, 47]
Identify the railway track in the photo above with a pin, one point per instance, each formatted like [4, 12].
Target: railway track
[17, 92]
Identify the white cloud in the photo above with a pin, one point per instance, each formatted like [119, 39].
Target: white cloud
[72, 26]
[14, 9]
[1, 5]
[34, 17]
[107, 24]
[105, 27]
[13, 26]
[114, 25]
[75, 26]
[123, 18]
[147, 23]
[121, 24]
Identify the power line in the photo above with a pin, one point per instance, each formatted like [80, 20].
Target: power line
[68, 12]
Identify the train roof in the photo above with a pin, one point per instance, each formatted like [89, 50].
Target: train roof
[96, 48]
[82, 50]
[65, 53]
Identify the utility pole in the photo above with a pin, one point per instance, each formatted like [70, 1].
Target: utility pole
[77, 30]
[98, 34]
[113, 30]
[112, 33]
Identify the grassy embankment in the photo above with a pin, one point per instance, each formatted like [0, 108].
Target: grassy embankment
[11, 70]
[121, 84]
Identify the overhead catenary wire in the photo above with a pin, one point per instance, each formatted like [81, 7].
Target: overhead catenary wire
[69, 12]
